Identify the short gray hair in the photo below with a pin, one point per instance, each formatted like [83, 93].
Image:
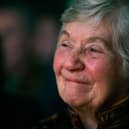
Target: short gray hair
[114, 11]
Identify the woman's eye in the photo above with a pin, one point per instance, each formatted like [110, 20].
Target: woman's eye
[93, 49]
[64, 44]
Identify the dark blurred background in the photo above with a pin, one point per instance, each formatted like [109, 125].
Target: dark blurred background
[28, 37]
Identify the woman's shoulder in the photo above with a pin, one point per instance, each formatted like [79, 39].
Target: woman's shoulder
[60, 120]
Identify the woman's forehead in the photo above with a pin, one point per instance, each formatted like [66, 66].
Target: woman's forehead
[86, 31]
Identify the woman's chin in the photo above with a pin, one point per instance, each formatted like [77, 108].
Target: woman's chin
[75, 101]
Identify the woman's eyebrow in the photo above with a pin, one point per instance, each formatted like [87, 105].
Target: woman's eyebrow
[100, 39]
[64, 32]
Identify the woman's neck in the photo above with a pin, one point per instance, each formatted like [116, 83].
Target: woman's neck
[88, 118]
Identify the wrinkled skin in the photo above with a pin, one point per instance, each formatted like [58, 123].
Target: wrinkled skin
[84, 65]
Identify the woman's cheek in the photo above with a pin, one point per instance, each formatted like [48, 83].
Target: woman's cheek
[58, 61]
[100, 68]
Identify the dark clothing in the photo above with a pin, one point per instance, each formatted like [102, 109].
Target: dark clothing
[62, 120]
[116, 118]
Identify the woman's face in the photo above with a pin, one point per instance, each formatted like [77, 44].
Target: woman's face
[85, 65]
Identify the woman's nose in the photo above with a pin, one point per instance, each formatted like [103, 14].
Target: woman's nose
[74, 63]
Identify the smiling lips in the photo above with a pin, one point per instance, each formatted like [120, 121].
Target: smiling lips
[78, 85]
[75, 78]
[75, 81]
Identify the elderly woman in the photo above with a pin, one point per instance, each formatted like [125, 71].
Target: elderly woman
[91, 65]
